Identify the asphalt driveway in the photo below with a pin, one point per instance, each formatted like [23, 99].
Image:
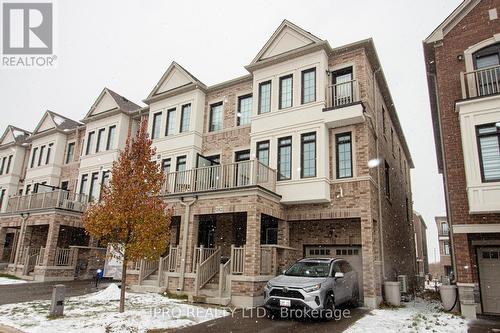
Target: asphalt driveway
[245, 322]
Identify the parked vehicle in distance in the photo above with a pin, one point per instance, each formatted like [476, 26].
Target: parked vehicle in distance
[315, 286]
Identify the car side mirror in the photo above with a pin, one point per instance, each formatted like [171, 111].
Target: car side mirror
[338, 275]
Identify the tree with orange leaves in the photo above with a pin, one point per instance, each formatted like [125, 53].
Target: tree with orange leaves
[130, 215]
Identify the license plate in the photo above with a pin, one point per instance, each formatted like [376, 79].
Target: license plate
[285, 302]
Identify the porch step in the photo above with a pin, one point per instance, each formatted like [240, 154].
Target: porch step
[152, 277]
[212, 285]
[149, 282]
[147, 289]
[211, 300]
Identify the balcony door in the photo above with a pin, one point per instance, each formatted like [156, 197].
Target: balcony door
[342, 87]
[487, 74]
[207, 172]
[242, 169]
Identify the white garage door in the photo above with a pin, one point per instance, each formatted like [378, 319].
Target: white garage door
[489, 273]
[350, 253]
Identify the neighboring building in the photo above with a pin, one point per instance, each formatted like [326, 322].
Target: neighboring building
[420, 245]
[445, 266]
[261, 170]
[463, 66]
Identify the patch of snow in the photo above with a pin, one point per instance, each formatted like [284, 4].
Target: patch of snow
[4, 280]
[58, 120]
[111, 293]
[98, 313]
[416, 316]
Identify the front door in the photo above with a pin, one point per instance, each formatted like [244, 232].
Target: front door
[206, 231]
[242, 169]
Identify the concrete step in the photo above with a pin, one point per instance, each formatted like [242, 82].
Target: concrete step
[209, 292]
[149, 282]
[211, 300]
[152, 277]
[214, 286]
[147, 289]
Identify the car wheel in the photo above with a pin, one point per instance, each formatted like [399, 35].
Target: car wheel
[328, 307]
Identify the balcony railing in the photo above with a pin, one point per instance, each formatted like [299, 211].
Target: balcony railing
[342, 94]
[480, 82]
[223, 176]
[54, 199]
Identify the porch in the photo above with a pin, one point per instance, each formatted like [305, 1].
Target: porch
[60, 199]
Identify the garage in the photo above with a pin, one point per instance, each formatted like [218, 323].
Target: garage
[489, 271]
[350, 253]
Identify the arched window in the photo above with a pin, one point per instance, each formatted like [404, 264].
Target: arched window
[487, 74]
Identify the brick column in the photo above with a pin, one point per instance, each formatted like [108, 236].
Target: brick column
[3, 233]
[464, 265]
[252, 246]
[370, 278]
[24, 235]
[283, 233]
[51, 244]
[192, 239]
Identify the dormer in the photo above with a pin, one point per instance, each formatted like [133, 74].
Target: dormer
[109, 103]
[13, 136]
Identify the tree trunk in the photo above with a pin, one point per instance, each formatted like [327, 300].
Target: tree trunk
[124, 284]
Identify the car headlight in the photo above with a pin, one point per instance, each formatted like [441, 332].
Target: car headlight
[269, 285]
[312, 288]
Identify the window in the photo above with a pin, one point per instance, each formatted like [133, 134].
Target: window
[185, 117]
[243, 155]
[215, 117]
[488, 141]
[268, 230]
[83, 184]
[444, 228]
[244, 110]
[2, 195]
[392, 141]
[487, 77]
[111, 137]
[49, 150]
[308, 85]
[308, 156]
[70, 152]
[93, 186]
[155, 131]
[64, 185]
[170, 126]
[263, 152]
[9, 161]
[33, 157]
[105, 178]
[285, 158]
[446, 248]
[100, 140]
[40, 157]
[28, 189]
[264, 97]
[90, 142]
[3, 164]
[342, 90]
[286, 94]
[387, 173]
[165, 165]
[181, 163]
[343, 154]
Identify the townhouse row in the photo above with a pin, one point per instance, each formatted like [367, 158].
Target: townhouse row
[304, 156]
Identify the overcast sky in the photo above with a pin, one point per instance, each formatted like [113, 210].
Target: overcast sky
[127, 45]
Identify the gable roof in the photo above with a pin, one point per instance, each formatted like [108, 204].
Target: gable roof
[52, 120]
[175, 78]
[288, 39]
[452, 20]
[13, 135]
[108, 100]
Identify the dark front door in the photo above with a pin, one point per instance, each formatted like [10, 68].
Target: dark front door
[206, 231]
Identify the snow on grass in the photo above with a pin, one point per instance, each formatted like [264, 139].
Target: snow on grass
[98, 313]
[8, 280]
[414, 317]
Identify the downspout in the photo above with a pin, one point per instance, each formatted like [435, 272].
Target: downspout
[445, 182]
[185, 232]
[377, 153]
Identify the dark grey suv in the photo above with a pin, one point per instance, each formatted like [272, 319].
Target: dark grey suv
[312, 284]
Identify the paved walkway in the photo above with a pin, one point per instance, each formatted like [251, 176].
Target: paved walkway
[32, 291]
[244, 323]
[485, 324]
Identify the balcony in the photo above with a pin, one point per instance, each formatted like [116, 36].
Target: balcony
[46, 200]
[221, 177]
[343, 105]
[481, 82]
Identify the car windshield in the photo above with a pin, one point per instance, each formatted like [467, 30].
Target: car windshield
[309, 269]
